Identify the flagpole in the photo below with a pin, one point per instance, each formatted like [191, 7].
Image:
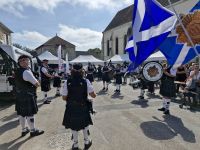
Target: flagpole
[184, 29]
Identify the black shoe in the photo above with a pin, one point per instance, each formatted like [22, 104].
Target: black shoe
[46, 102]
[116, 90]
[25, 132]
[106, 89]
[87, 146]
[161, 109]
[166, 112]
[75, 148]
[181, 106]
[103, 89]
[57, 95]
[141, 97]
[36, 133]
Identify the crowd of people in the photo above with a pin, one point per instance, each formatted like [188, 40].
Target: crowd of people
[79, 84]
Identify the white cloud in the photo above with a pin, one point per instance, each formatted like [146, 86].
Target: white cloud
[30, 39]
[16, 6]
[83, 38]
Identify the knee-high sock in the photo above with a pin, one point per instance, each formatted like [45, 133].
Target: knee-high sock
[118, 86]
[107, 85]
[58, 90]
[85, 135]
[22, 121]
[142, 92]
[31, 122]
[167, 104]
[45, 96]
[104, 84]
[164, 103]
[75, 138]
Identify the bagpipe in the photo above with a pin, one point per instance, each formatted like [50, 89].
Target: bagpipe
[89, 103]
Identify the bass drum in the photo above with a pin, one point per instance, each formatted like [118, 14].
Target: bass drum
[152, 71]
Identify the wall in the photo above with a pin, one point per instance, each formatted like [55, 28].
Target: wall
[118, 32]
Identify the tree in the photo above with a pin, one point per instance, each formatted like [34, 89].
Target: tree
[96, 52]
[22, 47]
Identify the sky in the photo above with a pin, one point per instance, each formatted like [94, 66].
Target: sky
[80, 22]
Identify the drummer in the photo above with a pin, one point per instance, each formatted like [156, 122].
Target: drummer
[90, 70]
[118, 77]
[167, 89]
[105, 76]
[143, 85]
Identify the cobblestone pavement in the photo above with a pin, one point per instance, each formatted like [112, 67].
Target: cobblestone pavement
[122, 122]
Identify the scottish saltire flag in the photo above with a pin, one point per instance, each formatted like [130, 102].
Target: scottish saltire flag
[151, 24]
[196, 7]
[176, 53]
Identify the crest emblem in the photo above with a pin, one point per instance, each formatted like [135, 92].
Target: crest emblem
[152, 71]
[192, 25]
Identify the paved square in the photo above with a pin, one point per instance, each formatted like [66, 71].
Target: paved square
[122, 122]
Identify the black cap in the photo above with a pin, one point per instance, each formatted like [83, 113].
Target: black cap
[23, 56]
[45, 60]
[77, 66]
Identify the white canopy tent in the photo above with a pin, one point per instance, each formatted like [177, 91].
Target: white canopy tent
[84, 59]
[119, 58]
[14, 52]
[157, 56]
[50, 57]
[19, 52]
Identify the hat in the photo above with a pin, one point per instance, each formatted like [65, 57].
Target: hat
[45, 60]
[23, 56]
[77, 66]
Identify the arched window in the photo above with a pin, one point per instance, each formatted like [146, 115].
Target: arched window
[125, 43]
[108, 48]
[116, 45]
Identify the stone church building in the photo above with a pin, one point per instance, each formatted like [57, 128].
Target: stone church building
[52, 46]
[117, 32]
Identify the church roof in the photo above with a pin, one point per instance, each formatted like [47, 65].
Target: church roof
[56, 40]
[125, 15]
[5, 28]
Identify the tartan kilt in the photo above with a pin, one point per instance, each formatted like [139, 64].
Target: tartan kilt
[106, 78]
[77, 117]
[57, 82]
[26, 104]
[118, 79]
[167, 88]
[90, 77]
[45, 85]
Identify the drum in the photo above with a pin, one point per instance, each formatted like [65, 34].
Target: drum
[152, 71]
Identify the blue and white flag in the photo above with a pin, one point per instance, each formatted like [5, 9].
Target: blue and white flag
[196, 7]
[152, 23]
[179, 53]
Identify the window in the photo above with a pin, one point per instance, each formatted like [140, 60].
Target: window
[117, 46]
[108, 48]
[125, 43]
[7, 40]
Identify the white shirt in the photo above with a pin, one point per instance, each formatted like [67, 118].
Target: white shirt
[28, 76]
[64, 90]
[196, 77]
[44, 70]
